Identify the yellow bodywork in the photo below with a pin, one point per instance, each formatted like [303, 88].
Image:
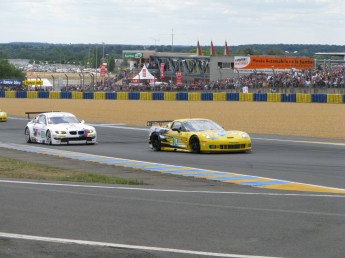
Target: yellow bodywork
[212, 139]
[3, 116]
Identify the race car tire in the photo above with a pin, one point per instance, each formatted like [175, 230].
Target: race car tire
[194, 144]
[156, 142]
[48, 138]
[27, 135]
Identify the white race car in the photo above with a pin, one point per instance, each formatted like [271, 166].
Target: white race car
[57, 128]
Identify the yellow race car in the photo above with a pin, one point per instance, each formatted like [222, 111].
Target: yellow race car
[196, 135]
[3, 116]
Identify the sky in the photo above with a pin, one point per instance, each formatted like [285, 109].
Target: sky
[177, 22]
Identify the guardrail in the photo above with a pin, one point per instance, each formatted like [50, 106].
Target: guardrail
[181, 96]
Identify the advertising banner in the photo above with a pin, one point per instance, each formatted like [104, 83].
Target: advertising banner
[178, 78]
[7, 82]
[103, 70]
[162, 70]
[270, 62]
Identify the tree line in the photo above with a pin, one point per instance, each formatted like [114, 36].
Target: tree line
[92, 55]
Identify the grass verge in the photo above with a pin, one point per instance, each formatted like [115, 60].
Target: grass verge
[12, 168]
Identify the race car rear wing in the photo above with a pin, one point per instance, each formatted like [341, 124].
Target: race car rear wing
[37, 112]
[160, 122]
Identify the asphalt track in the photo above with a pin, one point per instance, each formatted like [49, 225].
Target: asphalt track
[177, 216]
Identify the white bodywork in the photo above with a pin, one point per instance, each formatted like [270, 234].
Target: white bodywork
[59, 128]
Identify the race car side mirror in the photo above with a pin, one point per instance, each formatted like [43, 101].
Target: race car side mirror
[82, 121]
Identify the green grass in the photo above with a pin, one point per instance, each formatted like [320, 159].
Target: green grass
[12, 168]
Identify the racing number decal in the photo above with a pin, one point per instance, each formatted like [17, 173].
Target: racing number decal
[175, 142]
[43, 134]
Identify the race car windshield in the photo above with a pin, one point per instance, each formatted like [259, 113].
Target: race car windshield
[63, 120]
[201, 125]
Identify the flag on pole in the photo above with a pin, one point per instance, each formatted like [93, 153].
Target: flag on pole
[199, 53]
[212, 53]
[226, 49]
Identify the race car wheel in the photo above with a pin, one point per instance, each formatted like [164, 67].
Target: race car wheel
[48, 138]
[195, 144]
[27, 135]
[156, 142]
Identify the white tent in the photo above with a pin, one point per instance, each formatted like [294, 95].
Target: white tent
[144, 75]
[47, 84]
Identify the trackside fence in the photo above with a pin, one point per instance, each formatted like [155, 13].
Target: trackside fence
[180, 96]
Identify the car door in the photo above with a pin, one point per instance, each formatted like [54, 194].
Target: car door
[39, 128]
[178, 135]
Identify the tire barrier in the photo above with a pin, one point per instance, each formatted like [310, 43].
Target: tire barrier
[319, 98]
[157, 96]
[145, 96]
[99, 95]
[219, 96]
[66, 95]
[260, 97]
[181, 96]
[55, 95]
[133, 95]
[303, 98]
[232, 96]
[246, 96]
[193, 96]
[169, 96]
[273, 97]
[21, 95]
[88, 95]
[110, 95]
[208, 96]
[77, 95]
[43, 94]
[288, 97]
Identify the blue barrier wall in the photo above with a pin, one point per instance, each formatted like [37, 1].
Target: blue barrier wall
[158, 96]
[21, 94]
[232, 96]
[87, 95]
[182, 96]
[134, 95]
[110, 95]
[288, 97]
[319, 98]
[66, 95]
[260, 97]
[207, 96]
[43, 94]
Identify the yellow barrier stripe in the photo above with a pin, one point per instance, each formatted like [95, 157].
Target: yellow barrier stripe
[219, 96]
[145, 95]
[122, 95]
[194, 96]
[303, 98]
[304, 188]
[246, 96]
[99, 95]
[273, 97]
[169, 95]
[335, 98]
[32, 94]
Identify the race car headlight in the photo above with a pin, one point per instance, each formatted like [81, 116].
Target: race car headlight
[60, 132]
[244, 136]
[90, 131]
[208, 136]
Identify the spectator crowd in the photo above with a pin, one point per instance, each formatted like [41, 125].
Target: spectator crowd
[275, 81]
